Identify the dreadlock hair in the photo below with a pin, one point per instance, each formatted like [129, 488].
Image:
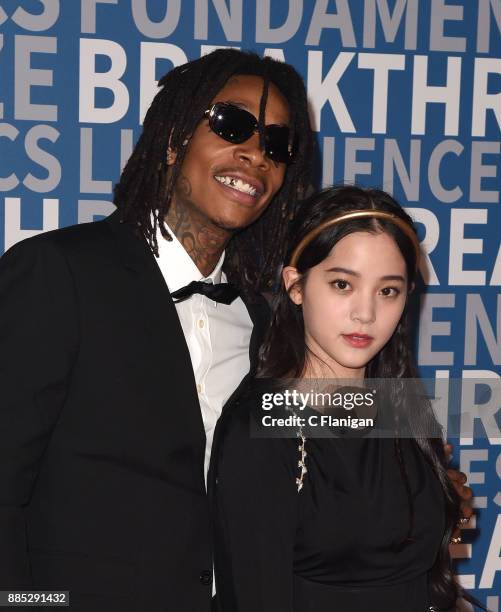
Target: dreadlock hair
[145, 189]
[284, 354]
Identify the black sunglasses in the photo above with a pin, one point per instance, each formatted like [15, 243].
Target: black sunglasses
[237, 125]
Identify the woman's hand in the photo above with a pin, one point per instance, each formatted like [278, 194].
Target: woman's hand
[458, 479]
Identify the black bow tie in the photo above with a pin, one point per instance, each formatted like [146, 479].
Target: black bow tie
[220, 292]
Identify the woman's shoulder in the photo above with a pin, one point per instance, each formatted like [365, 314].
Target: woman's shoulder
[254, 412]
[254, 431]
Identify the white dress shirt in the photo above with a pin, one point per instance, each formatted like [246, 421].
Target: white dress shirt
[217, 335]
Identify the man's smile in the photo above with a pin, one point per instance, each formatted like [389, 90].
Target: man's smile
[237, 184]
[243, 187]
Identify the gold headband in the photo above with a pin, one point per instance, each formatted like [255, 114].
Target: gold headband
[357, 214]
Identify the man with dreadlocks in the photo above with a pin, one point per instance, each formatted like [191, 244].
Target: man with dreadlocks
[112, 385]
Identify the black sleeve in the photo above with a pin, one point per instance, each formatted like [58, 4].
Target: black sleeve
[256, 520]
[38, 339]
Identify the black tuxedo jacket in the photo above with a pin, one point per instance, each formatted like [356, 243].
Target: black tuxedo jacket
[102, 441]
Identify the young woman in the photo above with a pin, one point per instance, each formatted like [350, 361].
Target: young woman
[338, 523]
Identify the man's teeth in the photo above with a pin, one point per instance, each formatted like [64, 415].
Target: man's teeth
[237, 184]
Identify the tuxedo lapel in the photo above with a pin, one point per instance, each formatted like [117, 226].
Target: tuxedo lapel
[259, 312]
[170, 359]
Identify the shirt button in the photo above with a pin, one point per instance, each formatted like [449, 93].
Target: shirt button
[206, 577]
[201, 323]
[199, 388]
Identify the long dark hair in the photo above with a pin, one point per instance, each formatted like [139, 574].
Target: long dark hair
[144, 191]
[284, 353]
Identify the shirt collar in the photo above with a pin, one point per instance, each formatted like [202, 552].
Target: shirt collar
[178, 268]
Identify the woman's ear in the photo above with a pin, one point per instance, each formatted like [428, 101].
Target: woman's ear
[291, 276]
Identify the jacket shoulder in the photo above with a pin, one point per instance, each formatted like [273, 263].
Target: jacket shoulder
[86, 237]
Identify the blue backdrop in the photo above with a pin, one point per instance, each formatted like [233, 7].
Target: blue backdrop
[405, 94]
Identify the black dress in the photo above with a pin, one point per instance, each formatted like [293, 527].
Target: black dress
[335, 545]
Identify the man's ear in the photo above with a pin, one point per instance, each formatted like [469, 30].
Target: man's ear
[290, 276]
[171, 156]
